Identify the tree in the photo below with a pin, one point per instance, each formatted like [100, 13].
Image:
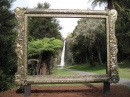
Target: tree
[68, 53]
[35, 48]
[123, 29]
[110, 3]
[122, 26]
[45, 5]
[43, 27]
[7, 39]
[41, 31]
[44, 49]
[89, 41]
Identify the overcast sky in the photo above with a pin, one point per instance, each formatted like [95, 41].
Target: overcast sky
[68, 24]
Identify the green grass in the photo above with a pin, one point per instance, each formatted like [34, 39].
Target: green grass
[62, 72]
[124, 69]
[99, 69]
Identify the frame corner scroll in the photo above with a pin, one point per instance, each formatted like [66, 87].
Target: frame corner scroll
[114, 77]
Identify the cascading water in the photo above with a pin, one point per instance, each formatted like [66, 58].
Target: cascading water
[62, 63]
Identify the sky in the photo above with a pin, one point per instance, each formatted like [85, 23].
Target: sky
[68, 24]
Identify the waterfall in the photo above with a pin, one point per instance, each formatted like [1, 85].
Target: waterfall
[62, 63]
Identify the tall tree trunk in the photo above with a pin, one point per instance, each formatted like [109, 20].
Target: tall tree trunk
[100, 58]
[110, 4]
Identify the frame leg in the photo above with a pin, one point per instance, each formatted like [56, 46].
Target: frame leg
[106, 87]
[27, 90]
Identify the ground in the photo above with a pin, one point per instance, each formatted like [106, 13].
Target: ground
[85, 90]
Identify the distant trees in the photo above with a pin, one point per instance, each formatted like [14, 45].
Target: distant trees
[122, 26]
[43, 27]
[110, 3]
[89, 41]
[7, 52]
[123, 29]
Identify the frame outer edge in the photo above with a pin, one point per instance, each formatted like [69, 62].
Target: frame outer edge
[114, 77]
[21, 40]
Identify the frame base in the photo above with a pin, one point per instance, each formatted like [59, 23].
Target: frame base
[27, 90]
[106, 87]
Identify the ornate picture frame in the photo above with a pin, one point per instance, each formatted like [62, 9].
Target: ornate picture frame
[21, 76]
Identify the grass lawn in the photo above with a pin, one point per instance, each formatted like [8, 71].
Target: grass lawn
[124, 69]
[62, 72]
[100, 69]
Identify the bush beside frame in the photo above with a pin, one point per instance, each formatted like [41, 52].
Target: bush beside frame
[22, 15]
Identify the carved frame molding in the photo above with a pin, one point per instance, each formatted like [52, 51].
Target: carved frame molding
[22, 14]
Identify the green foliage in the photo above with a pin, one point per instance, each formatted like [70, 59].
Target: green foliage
[44, 37]
[44, 49]
[46, 44]
[43, 27]
[123, 29]
[46, 5]
[89, 41]
[122, 26]
[7, 39]
[6, 81]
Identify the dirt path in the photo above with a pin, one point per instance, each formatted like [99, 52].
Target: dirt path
[125, 82]
[86, 90]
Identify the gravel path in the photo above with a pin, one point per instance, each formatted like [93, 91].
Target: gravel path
[123, 81]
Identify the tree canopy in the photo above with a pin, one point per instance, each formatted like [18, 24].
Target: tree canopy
[122, 26]
[42, 45]
[7, 40]
[110, 3]
[89, 41]
[44, 26]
